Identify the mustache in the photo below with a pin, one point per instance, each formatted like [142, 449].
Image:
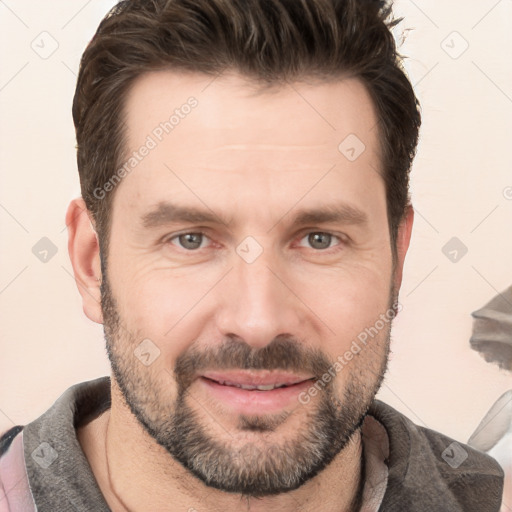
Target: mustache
[283, 353]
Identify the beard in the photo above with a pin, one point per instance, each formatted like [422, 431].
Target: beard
[247, 464]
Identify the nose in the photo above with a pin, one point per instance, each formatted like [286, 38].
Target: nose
[257, 302]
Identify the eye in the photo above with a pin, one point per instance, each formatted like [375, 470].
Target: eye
[320, 240]
[189, 241]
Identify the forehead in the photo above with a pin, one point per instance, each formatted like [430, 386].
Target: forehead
[302, 114]
[220, 135]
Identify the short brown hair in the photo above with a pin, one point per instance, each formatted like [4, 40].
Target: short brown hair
[269, 41]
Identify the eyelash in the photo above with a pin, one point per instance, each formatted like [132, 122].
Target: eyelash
[328, 250]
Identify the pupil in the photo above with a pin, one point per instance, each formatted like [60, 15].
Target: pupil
[191, 240]
[322, 238]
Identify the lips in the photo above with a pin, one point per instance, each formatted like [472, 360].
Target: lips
[261, 380]
[249, 387]
[253, 392]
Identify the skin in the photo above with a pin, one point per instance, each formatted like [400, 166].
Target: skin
[254, 160]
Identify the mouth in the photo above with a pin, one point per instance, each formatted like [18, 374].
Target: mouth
[256, 380]
[255, 392]
[261, 387]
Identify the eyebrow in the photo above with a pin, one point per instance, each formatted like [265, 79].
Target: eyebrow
[167, 213]
[341, 213]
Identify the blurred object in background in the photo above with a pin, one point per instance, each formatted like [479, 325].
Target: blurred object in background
[492, 330]
[492, 337]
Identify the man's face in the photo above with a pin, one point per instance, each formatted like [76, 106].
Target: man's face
[255, 292]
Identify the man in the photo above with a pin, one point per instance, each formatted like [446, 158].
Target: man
[241, 236]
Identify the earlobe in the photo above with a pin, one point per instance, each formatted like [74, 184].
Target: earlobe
[84, 252]
[402, 244]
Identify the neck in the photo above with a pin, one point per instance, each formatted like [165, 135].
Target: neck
[135, 473]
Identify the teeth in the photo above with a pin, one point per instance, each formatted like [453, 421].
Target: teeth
[267, 387]
[244, 386]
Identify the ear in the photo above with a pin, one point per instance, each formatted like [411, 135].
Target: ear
[84, 252]
[402, 244]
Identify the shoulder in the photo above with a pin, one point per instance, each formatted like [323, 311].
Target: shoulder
[15, 493]
[431, 471]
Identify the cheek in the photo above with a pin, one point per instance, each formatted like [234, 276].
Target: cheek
[164, 305]
[347, 301]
